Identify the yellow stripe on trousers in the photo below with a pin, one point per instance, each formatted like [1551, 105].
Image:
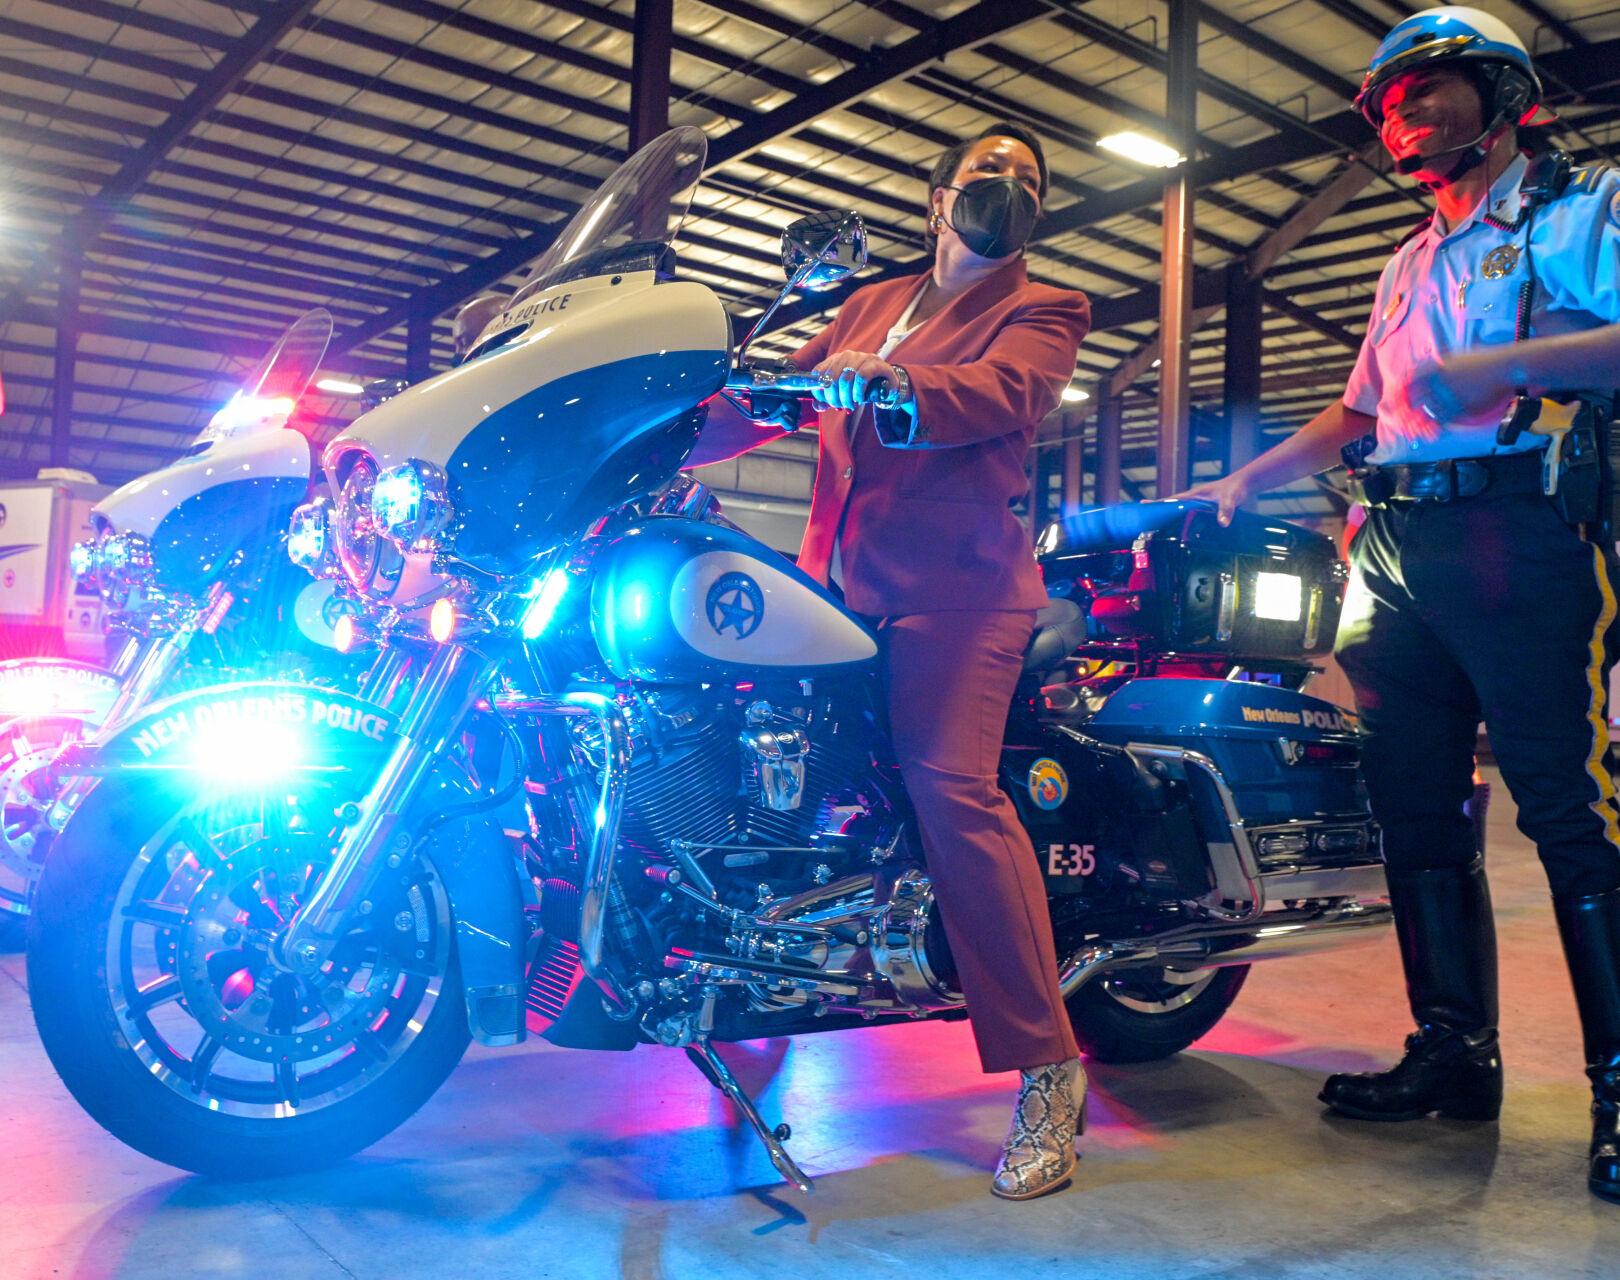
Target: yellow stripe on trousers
[1603, 806]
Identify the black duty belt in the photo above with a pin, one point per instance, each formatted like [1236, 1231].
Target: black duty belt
[1449, 480]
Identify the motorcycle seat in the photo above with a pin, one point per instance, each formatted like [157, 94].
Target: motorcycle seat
[1118, 525]
[1059, 628]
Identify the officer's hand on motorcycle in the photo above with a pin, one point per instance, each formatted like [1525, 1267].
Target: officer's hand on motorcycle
[1228, 494]
[852, 372]
[1467, 388]
[777, 408]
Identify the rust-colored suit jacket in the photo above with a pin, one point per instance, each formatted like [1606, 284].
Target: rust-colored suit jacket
[922, 530]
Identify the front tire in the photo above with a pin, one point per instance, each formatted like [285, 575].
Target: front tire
[162, 1013]
[1142, 1015]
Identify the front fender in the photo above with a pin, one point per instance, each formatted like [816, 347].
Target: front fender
[56, 687]
[252, 732]
[251, 729]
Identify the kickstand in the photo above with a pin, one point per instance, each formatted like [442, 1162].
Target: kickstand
[706, 1060]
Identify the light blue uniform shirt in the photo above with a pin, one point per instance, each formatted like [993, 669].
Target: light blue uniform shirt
[1449, 290]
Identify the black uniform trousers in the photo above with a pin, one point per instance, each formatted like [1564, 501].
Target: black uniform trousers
[1488, 608]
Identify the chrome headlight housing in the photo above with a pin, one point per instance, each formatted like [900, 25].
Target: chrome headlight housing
[369, 560]
[122, 564]
[410, 505]
[359, 546]
[310, 541]
[82, 561]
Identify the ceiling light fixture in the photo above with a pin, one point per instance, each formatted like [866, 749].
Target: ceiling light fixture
[339, 386]
[1142, 149]
[1074, 395]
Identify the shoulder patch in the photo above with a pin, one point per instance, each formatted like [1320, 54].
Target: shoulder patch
[1587, 179]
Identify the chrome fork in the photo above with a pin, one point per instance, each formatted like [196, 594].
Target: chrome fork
[449, 687]
[145, 664]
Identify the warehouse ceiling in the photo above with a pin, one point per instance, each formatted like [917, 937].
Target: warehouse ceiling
[225, 166]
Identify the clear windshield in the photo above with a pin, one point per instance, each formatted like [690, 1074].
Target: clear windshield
[633, 217]
[268, 395]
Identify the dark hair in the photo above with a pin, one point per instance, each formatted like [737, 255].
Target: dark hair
[951, 160]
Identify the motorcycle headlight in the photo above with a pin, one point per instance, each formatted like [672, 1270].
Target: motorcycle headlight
[411, 505]
[122, 564]
[309, 540]
[82, 560]
[358, 545]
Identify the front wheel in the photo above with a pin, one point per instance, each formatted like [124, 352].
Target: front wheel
[162, 1010]
[1139, 1015]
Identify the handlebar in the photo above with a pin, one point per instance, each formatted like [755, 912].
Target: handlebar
[879, 392]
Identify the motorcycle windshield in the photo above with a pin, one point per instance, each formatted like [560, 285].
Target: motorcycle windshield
[631, 222]
[268, 395]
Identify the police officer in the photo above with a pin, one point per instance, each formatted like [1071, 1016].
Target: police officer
[1484, 583]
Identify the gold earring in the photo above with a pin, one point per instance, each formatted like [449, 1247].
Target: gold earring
[935, 222]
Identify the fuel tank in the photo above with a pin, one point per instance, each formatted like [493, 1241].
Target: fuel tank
[678, 600]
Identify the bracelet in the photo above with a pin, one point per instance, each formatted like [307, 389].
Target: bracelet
[902, 386]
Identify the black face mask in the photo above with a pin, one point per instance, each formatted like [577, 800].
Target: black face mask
[994, 216]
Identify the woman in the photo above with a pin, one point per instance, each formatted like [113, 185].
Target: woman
[911, 513]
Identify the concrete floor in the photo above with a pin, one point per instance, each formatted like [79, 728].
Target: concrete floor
[540, 1162]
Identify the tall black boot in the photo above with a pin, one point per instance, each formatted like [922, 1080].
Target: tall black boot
[1453, 1064]
[1590, 928]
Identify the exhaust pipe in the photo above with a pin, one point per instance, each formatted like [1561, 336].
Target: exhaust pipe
[1274, 936]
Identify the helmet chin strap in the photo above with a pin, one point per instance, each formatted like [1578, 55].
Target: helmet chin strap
[1472, 155]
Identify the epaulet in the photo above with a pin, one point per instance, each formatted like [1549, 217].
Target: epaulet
[1587, 179]
[1414, 233]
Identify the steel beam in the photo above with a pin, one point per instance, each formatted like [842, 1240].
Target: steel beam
[206, 92]
[1245, 315]
[1110, 450]
[653, 35]
[1176, 292]
[985, 20]
[67, 345]
[419, 346]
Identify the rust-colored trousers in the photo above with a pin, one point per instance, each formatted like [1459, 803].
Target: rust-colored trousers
[950, 679]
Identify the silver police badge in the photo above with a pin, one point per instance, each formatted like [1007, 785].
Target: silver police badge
[1500, 262]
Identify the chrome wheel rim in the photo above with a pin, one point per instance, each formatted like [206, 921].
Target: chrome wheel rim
[198, 998]
[1159, 991]
[27, 789]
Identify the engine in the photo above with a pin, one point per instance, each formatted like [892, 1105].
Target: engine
[769, 851]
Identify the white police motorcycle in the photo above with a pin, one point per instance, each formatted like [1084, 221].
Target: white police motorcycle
[618, 773]
[190, 564]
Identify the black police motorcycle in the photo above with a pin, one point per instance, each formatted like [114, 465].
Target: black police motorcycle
[618, 774]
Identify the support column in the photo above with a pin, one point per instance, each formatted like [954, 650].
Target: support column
[418, 347]
[1073, 465]
[653, 37]
[1245, 313]
[1175, 296]
[1110, 449]
[67, 347]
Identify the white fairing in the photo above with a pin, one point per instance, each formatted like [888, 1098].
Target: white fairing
[796, 628]
[141, 505]
[571, 328]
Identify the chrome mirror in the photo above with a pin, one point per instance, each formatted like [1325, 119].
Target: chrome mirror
[823, 249]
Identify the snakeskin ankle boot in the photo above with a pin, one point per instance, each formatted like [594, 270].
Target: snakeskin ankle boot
[1038, 1156]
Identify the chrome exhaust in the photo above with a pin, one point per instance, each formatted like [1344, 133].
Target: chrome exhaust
[1275, 935]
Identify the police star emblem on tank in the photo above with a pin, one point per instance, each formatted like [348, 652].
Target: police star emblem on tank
[736, 604]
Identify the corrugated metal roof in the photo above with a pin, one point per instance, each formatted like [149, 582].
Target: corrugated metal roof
[229, 163]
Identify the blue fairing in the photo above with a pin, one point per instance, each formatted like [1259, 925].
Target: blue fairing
[580, 444]
[193, 542]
